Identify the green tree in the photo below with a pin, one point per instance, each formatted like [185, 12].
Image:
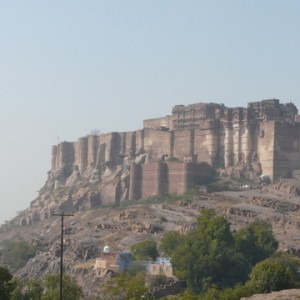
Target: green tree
[290, 261]
[235, 293]
[28, 290]
[7, 285]
[256, 241]
[170, 242]
[145, 250]
[71, 291]
[46, 289]
[15, 253]
[273, 274]
[277, 272]
[125, 287]
[156, 281]
[188, 295]
[207, 256]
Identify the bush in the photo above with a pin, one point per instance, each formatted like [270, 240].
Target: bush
[47, 288]
[204, 254]
[125, 287]
[71, 291]
[272, 274]
[170, 241]
[16, 253]
[145, 250]
[235, 293]
[28, 290]
[256, 241]
[7, 285]
[218, 186]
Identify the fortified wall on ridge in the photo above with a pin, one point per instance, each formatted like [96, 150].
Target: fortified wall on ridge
[175, 152]
[171, 154]
[265, 132]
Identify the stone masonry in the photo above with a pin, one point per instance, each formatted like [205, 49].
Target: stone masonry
[172, 153]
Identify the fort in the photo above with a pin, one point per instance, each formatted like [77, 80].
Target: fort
[170, 154]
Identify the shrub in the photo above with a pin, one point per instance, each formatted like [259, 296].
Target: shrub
[16, 253]
[145, 250]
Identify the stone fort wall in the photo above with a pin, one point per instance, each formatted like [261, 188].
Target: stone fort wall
[267, 132]
[160, 178]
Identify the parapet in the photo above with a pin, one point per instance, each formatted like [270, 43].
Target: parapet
[194, 115]
[273, 110]
[164, 123]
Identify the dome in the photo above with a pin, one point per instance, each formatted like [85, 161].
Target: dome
[106, 249]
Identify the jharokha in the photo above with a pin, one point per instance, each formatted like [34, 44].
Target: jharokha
[173, 153]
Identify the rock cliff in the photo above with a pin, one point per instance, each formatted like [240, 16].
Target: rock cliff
[170, 155]
[88, 231]
[102, 177]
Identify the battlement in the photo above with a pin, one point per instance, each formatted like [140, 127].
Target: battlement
[266, 133]
[273, 110]
[200, 115]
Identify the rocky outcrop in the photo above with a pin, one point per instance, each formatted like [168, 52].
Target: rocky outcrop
[289, 186]
[86, 233]
[292, 294]
[111, 185]
[170, 155]
[172, 288]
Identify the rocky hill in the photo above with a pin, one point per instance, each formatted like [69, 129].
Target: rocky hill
[170, 155]
[124, 187]
[281, 295]
[88, 231]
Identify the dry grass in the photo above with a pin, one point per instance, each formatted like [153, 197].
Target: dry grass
[222, 204]
[294, 214]
[85, 265]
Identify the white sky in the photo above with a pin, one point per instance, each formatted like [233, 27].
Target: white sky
[68, 67]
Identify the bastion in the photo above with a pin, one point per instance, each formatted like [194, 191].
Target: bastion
[173, 153]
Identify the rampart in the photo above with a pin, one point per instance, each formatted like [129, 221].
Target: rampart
[161, 178]
[266, 133]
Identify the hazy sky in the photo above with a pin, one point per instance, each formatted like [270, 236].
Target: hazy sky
[68, 67]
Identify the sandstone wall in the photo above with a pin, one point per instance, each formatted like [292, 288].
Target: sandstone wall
[105, 141]
[156, 179]
[207, 132]
[139, 141]
[201, 144]
[136, 180]
[115, 148]
[148, 180]
[211, 143]
[93, 145]
[179, 177]
[156, 143]
[207, 144]
[81, 154]
[228, 146]
[265, 147]
[63, 155]
[156, 123]
[193, 115]
[130, 143]
[286, 150]
[183, 143]
[54, 155]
